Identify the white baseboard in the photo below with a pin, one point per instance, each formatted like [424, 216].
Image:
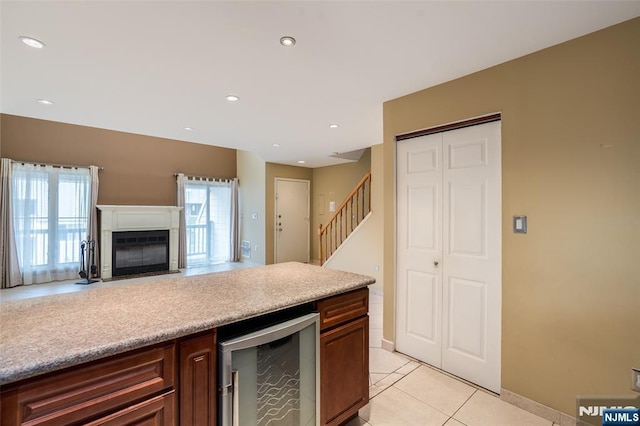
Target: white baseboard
[388, 345]
[551, 414]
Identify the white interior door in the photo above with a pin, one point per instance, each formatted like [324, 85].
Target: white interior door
[419, 247]
[292, 232]
[451, 292]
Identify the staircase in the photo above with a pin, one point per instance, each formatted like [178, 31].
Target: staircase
[346, 218]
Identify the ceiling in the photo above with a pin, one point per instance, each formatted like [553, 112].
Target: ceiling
[156, 67]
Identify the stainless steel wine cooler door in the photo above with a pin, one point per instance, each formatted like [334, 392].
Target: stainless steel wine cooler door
[271, 376]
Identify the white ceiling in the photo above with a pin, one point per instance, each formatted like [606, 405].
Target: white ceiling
[155, 67]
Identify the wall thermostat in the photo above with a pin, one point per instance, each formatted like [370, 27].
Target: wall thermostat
[520, 224]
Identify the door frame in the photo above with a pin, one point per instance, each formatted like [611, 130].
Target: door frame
[275, 215]
[455, 125]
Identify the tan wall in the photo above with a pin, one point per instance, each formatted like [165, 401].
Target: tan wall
[571, 163]
[251, 173]
[333, 183]
[272, 172]
[138, 170]
[362, 253]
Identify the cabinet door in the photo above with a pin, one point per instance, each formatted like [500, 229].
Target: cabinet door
[198, 381]
[158, 411]
[344, 371]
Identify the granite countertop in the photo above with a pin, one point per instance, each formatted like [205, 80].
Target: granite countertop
[45, 334]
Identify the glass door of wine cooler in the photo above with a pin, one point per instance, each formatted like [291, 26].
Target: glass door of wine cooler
[271, 376]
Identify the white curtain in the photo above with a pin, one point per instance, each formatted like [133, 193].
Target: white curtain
[182, 235]
[50, 209]
[210, 220]
[93, 215]
[10, 276]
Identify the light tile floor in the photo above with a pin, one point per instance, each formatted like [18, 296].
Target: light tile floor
[404, 391]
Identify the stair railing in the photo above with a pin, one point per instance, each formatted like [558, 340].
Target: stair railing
[346, 218]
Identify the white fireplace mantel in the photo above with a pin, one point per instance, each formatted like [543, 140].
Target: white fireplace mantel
[137, 218]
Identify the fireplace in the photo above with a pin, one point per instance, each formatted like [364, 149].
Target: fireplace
[137, 252]
[138, 239]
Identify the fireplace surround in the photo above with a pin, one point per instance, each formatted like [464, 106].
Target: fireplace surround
[118, 219]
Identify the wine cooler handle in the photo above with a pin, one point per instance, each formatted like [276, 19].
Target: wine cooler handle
[235, 395]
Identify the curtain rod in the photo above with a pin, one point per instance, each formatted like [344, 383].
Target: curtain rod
[204, 177]
[65, 166]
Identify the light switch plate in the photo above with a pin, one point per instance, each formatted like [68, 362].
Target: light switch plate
[520, 224]
[635, 379]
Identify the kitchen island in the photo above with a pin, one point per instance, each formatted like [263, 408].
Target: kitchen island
[41, 336]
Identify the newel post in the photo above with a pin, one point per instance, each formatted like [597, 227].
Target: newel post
[320, 242]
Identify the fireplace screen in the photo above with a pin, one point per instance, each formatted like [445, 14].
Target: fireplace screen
[271, 375]
[136, 252]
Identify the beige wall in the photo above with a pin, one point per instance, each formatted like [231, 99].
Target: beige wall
[251, 173]
[571, 163]
[362, 252]
[272, 172]
[333, 183]
[138, 170]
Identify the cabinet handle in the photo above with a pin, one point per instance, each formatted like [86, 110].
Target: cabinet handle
[235, 395]
[436, 263]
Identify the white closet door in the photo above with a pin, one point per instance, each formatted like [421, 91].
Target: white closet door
[449, 252]
[472, 290]
[419, 248]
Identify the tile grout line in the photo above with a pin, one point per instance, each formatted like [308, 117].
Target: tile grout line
[462, 405]
[421, 402]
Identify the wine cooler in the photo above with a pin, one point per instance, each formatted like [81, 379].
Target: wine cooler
[270, 376]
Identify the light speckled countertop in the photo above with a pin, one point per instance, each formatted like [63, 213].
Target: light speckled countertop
[45, 334]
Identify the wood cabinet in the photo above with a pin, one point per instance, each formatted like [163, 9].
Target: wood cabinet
[198, 381]
[344, 356]
[176, 382]
[97, 391]
[137, 387]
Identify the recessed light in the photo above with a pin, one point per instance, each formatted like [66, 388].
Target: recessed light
[45, 102]
[334, 126]
[32, 42]
[275, 145]
[301, 161]
[232, 98]
[188, 129]
[287, 41]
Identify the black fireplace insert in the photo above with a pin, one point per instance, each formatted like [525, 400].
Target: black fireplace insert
[137, 252]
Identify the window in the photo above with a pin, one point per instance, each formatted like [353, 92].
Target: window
[208, 221]
[50, 208]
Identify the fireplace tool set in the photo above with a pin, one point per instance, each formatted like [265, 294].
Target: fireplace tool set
[88, 253]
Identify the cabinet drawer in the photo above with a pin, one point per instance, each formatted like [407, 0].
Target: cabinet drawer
[85, 391]
[337, 310]
[155, 411]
